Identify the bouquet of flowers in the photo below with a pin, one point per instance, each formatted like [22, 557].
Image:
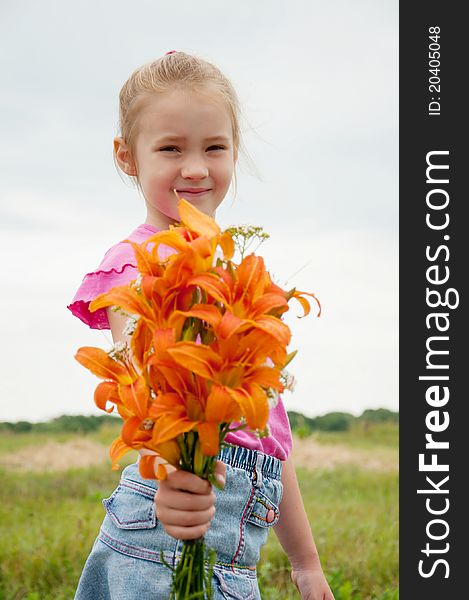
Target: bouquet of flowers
[207, 355]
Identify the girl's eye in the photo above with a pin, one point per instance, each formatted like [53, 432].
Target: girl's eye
[171, 148]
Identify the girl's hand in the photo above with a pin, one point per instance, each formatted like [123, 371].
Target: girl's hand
[185, 503]
[311, 584]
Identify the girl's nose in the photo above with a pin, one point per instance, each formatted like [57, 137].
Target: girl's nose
[195, 169]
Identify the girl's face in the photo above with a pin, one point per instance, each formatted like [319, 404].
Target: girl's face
[184, 143]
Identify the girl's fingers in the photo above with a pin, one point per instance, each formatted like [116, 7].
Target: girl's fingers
[220, 472]
[186, 533]
[180, 500]
[188, 482]
[185, 518]
[185, 503]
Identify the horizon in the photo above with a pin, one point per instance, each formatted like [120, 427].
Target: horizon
[114, 416]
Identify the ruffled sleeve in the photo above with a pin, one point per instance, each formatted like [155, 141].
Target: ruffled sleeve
[118, 267]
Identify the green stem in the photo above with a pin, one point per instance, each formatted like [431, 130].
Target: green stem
[191, 579]
[190, 582]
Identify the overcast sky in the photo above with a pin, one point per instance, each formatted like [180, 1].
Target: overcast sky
[318, 84]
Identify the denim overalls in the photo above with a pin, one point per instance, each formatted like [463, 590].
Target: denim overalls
[125, 562]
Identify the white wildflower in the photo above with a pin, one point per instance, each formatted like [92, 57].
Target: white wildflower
[138, 282]
[288, 380]
[119, 351]
[130, 325]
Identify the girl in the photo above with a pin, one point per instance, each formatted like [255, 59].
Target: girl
[180, 137]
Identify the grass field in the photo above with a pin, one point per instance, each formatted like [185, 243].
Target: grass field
[50, 515]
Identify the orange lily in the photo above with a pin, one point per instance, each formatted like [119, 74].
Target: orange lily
[103, 366]
[237, 373]
[178, 412]
[169, 385]
[250, 299]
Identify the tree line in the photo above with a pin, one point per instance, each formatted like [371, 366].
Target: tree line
[301, 424]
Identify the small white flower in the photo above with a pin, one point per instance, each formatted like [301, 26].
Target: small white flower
[118, 351]
[288, 380]
[138, 281]
[130, 325]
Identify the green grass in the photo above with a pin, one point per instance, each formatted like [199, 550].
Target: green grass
[10, 441]
[362, 435]
[48, 522]
[353, 515]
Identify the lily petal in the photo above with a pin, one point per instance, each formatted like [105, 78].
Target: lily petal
[227, 245]
[146, 466]
[102, 365]
[197, 221]
[197, 358]
[124, 297]
[212, 284]
[229, 325]
[253, 403]
[106, 391]
[221, 408]
[145, 264]
[207, 312]
[170, 451]
[129, 429]
[274, 327]
[135, 397]
[117, 450]
[304, 303]
[209, 438]
[168, 427]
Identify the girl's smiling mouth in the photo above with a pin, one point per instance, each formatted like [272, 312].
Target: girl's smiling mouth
[193, 191]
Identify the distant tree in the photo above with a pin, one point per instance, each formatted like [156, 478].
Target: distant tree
[379, 415]
[22, 426]
[76, 423]
[300, 422]
[334, 421]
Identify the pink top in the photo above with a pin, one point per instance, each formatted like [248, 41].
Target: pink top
[118, 267]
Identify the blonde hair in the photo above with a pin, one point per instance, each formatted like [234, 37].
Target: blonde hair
[176, 70]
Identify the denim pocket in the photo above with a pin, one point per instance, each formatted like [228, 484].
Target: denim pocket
[265, 512]
[235, 586]
[132, 506]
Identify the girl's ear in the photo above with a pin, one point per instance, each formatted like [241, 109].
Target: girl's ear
[123, 157]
